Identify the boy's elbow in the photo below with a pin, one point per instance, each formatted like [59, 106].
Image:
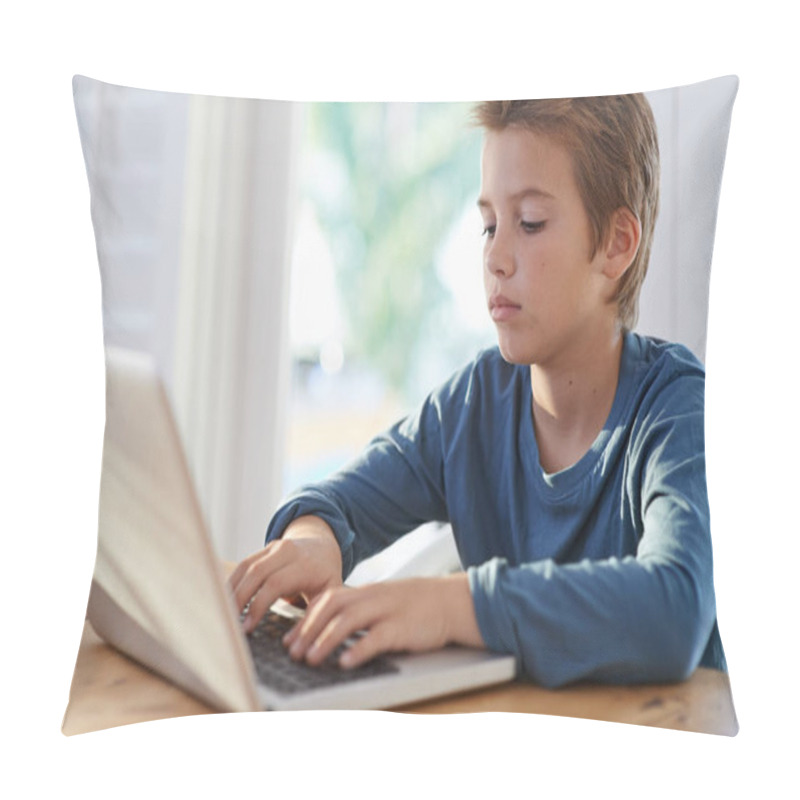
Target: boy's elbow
[677, 644]
[676, 666]
[669, 648]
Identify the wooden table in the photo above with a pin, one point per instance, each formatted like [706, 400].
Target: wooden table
[109, 690]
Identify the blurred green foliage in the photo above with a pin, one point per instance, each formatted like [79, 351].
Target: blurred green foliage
[387, 182]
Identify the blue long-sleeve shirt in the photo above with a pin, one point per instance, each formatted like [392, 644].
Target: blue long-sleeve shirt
[602, 571]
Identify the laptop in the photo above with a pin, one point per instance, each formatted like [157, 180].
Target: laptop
[159, 591]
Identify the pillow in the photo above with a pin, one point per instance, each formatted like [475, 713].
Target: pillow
[195, 200]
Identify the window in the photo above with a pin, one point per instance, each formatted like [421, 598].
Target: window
[386, 290]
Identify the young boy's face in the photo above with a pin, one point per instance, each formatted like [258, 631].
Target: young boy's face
[547, 298]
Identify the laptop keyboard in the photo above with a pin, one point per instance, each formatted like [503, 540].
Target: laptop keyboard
[276, 669]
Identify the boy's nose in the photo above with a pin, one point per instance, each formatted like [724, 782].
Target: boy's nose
[499, 256]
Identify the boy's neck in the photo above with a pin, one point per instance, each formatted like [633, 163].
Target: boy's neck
[573, 398]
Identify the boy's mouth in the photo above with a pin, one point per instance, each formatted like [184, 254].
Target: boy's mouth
[502, 309]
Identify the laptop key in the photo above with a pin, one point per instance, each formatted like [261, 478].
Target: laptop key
[276, 669]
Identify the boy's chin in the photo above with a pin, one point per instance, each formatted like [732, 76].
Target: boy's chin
[514, 354]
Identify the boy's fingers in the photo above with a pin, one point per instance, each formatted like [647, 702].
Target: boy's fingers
[260, 601]
[284, 582]
[306, 632]
[334, 618]
[245, 579]
[376, 641]
[261, 572]
[235, 578]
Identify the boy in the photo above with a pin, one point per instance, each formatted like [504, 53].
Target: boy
[569, 460]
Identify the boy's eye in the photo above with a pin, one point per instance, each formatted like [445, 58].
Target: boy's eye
[528, 227]
[532, 227]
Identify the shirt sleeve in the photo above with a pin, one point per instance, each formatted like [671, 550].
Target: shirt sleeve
[394, 486]
[646, 617]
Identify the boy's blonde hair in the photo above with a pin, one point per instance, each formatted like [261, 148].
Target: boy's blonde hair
[614, 149]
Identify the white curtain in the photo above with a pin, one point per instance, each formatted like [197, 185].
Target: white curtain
[192, 205]
[693, 130]
[230, 361]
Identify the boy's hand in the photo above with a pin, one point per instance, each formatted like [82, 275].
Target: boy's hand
[306, 561]
[414, 614]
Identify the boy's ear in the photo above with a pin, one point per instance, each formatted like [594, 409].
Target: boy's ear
[623, 243]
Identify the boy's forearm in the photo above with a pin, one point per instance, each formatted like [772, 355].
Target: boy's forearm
[309, 526]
